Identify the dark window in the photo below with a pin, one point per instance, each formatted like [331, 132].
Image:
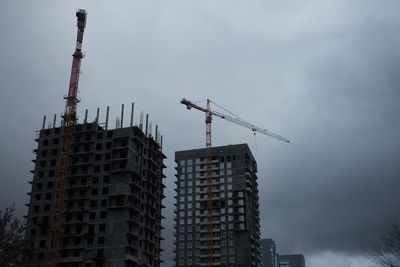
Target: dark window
[104, 202]
[55, 141]
[108, 155]
[97, 157]
[38, 196]
[96, 168]
[39, 185]
[36, 208]
[40, 256]
[47, 207]
[54, 152]
[53, 162]
[52, 173]
[108, 145]
[99, 146]
[109, 134]
[42, 243]
[92, 215]
[46, 142]
[78, 230]
[93, 204]
[94, 191]
[105, 190]
[106, 167]
[49, 184]
[102, 227]
[101, 240]
[43, 231]
[106, 179]
[44, 152]
[100, 136]
[103, 214]
[100, 253]
[95, 179]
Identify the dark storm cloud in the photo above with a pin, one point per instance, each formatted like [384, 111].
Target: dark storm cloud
[341, 178]
[322, 73]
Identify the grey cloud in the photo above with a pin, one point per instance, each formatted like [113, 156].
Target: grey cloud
[322, 73]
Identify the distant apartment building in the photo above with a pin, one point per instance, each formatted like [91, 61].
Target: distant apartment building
[269, 255]
[112, 203]
[235, 217]
[296, 260]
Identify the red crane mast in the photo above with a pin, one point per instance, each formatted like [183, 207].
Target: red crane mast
[69, 121]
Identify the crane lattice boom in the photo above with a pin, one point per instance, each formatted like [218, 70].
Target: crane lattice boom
[236, 120]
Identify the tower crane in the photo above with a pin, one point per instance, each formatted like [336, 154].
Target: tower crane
[69, 121]
[235, 119]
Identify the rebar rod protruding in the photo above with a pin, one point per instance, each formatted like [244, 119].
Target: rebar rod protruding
[54, 120]
[122, 116]
[132, 109]
[107, 112]
[86, 113]
[44, 122]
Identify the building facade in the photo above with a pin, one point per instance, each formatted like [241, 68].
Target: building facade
[112, 203]
[236, 225]
[296, 260]
[269, 255]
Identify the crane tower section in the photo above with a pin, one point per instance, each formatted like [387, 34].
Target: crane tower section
[72, 97]
[69, 120]
[210, 204]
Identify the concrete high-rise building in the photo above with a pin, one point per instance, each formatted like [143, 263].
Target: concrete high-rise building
[112, 202]
[269, 255]
[236, 225]
[296, 260]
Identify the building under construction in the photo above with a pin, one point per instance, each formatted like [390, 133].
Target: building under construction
[112, 202]
[235, 209]
[97, 193]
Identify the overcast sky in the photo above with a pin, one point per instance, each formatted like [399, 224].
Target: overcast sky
[323, 73]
